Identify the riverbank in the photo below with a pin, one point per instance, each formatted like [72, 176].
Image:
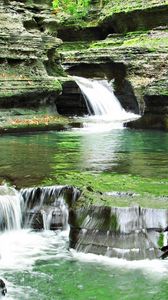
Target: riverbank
[35, 123]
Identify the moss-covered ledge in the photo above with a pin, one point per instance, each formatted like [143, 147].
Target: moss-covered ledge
[115, 189]
[34, 123]
[120, 18]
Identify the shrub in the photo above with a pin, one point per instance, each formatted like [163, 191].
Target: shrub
[73, 7]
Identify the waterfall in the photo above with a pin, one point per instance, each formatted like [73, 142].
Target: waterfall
[101, 101]
[47, 207]
[44, 208]
[56, 216]
[123, 232]
[10, 208]
[38, 208]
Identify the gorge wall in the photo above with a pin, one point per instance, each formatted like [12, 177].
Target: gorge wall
[26, 52]
[126, 42]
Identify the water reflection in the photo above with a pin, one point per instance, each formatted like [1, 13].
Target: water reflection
[28, 159]
[99, 150]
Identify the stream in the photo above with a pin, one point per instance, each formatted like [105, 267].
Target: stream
[27, 160]
[39, 265]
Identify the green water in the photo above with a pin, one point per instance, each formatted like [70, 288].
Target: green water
[117, 160]
[97, 162]
[54, 273]
[29, 159]
[72, 280]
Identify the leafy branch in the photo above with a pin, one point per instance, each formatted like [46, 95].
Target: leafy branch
[73, 7]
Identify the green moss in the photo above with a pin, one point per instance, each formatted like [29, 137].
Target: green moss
[57, 85]
[117, 6]
[140, 39]
[114, 223]
[146, 41]
[74, 46]
[160, 240]
[150, 192]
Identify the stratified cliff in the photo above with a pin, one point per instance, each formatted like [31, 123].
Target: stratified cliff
[27, 52]
[126, 41]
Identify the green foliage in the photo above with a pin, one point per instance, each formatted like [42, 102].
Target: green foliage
[73, 7]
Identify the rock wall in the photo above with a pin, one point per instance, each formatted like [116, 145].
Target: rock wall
[126, 42]
[71, 102]
[131, 49]
[131, 233]
[27, 48]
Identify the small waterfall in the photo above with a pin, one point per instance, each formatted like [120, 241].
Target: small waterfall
[11, 204]
[38, 208]
[56, 217]
[123, 232]
[44, 208]
[47, 207]
[101, 101]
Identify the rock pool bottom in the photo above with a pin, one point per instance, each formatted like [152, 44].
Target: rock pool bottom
[38, 265]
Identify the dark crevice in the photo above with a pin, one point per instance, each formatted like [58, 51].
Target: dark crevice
[71, 101]
[82, 34]
[38, 21]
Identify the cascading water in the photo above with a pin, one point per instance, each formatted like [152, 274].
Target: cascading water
[10, 208]
[46, 206]
[102, 104]
[124, 232]
[32, 261]
[38, 208]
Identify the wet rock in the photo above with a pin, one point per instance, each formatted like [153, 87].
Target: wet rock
[126, 232]
[47, 207]
[71, 101]
[3, 289]
[164, 255]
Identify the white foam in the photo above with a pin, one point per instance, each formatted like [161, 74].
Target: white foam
[156, 267]
[105, 110]
[20, 249]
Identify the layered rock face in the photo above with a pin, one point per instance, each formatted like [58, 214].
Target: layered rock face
[126, 42]
[27, 53]
[131, 49]
[131, 233]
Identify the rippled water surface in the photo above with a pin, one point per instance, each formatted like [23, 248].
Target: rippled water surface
[28, 159]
